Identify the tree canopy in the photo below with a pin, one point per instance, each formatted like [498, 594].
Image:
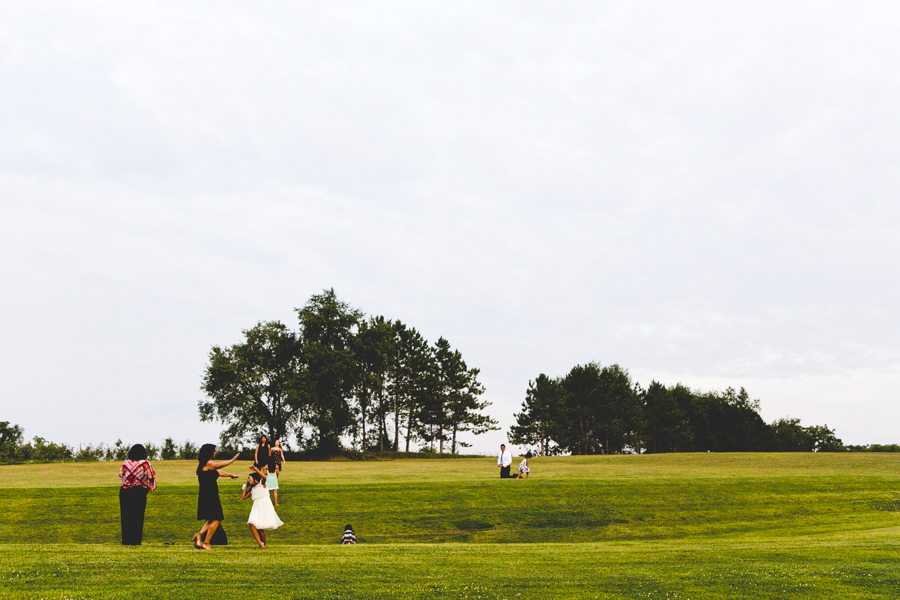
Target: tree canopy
[342, 378]
[599, 410]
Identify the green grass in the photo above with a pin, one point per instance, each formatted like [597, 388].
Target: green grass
[686, 526]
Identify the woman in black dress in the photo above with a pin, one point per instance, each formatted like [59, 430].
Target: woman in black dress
[261, 455]
[209, 507]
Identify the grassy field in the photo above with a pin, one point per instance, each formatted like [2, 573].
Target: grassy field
[666, 526]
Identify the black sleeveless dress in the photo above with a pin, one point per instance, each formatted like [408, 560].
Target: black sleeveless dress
[209, 507]
[262, 455]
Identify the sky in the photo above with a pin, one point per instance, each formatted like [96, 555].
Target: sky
[700, 192]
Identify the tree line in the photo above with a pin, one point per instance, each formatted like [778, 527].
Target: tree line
[600, 410]
[341, 378]
[14, 448]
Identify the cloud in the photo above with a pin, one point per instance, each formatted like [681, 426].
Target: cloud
[700, 193]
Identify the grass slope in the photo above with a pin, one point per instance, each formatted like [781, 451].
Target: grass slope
[699, 526]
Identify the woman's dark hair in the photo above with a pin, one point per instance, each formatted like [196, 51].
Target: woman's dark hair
[137, 452]
[264, 437]
[528, 454]
[206, 453]
[348, 527]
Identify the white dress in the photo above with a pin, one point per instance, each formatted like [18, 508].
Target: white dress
[263, 515]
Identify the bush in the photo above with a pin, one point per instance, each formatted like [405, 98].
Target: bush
[152, 451]
[41, 450]
[188, 451]
[169, 450]
[118, 452]
[90, 453]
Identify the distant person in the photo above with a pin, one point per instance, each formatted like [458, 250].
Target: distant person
[261, 454]
[278, 451]
[138, 479]
[272, 476]
[349, 537]
[504, 460]
[523, 466]
[262, 515]
[209, 507]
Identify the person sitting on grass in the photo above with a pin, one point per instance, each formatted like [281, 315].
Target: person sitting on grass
[523, 466]
[349, 537]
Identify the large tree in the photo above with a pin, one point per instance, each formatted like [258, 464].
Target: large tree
[413, 380]
[456, 404]
[375, 350]
[327, 326]
[665, 423]
[581, 433]
[540, 416]
[253, 386]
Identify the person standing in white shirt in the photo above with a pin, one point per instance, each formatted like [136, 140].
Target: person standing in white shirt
[504, 460]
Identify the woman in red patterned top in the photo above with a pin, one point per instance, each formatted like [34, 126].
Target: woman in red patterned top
[138, 478]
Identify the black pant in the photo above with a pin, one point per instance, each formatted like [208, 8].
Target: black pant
[132, 503]
[504, 472]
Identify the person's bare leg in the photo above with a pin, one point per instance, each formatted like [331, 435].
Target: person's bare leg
[198, 537]
[255, 533]
[262, 535]
[213, 525]
[275, 493]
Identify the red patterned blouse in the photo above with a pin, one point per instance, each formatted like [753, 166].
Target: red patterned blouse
[137, 473]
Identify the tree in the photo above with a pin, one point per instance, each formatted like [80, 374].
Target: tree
[665, 424]
[326, 331]
[253, 387]
[616, 409]
[580, 431]
[456, 401]
[727, 422]
[825, 439]
[169, 450]
[540, 415]
[375, 350]
[10, 441]
[412, 382]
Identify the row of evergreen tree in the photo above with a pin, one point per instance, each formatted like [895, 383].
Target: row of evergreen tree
[341, 376]
[600, 410]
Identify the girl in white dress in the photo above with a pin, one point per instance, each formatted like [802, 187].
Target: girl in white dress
[262, 514]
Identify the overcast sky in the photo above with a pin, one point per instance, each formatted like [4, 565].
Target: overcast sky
[702, 192]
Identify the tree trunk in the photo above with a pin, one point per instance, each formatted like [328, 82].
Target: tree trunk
[543, 442]
[453, 449]
[408, 431]
[397, 429]
[364, 430]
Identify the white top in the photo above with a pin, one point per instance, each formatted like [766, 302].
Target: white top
[504, 459]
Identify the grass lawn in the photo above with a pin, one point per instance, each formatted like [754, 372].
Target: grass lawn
[665, 526]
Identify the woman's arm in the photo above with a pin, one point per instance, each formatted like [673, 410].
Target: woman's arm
[226, 474]
[214, 465]
[150, 482]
